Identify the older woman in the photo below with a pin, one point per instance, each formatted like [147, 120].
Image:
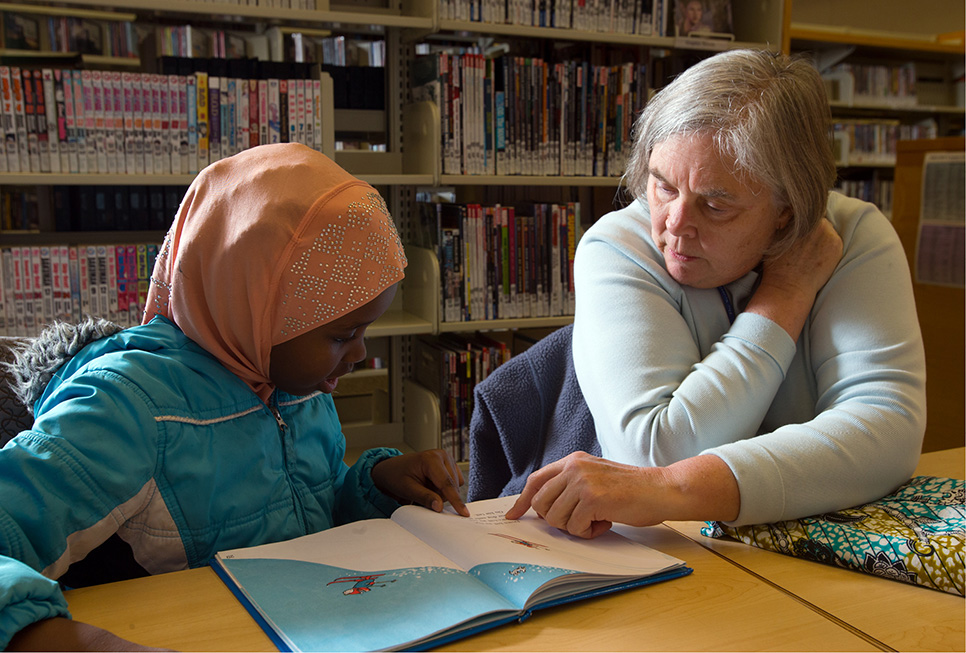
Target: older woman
[747, 342]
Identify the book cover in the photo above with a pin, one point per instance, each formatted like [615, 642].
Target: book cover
[422, 578]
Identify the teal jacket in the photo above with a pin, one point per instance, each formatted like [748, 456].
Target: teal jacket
[145, 436]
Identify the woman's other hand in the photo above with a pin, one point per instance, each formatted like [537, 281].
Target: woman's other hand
[790, 282]
[428, 478]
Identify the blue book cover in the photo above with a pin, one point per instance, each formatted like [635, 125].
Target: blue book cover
[423, 578]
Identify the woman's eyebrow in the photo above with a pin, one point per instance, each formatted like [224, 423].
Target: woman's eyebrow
[714, 193]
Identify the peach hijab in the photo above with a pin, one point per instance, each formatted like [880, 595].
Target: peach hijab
[267, 245]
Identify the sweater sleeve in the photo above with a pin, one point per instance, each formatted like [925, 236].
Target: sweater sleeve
[61, 484]
[25, 598]
[358, 497]
[638, 354]
[863, 347]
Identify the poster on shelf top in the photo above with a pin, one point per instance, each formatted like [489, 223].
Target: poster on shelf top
[703, 24]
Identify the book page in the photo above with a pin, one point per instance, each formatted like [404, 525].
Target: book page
[359, 545]
[487, 537]
[368, 585]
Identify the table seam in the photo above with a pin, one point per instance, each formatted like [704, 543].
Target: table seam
[820, 611]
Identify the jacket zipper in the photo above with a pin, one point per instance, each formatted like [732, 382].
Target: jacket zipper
[298, 505]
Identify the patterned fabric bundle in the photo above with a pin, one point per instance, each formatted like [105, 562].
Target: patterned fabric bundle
[915, 535]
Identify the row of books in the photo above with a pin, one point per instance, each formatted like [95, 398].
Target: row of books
[19, 209]
[642, 17]
[892, 85]
[450, 366]
[876, 190]
[502, 262]
[115, 207]
[514, 115]
[41, 284]
[110, 122]
[873, 142]
[68, 34]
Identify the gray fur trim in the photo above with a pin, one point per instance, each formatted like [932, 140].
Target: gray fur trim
[35, 362]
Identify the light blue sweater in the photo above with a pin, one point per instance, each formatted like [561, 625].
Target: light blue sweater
[839, 416]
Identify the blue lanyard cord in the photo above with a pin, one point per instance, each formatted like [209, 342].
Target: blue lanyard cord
[727, 304]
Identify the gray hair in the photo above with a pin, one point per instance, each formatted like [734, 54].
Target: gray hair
[767, 112]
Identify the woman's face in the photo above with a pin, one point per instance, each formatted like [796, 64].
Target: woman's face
[315, 360]
[711, 226]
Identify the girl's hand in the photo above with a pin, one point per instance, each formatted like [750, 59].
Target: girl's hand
[428, 478]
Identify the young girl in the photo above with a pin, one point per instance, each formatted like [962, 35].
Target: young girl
[211, 425]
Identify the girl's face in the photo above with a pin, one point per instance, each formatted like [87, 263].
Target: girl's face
[711, 226]
[315, 360]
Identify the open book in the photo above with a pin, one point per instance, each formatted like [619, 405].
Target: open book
[423, 578]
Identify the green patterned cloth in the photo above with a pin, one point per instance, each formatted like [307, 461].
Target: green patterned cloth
[915, 535]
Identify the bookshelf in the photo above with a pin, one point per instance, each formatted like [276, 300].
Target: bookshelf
[862, 53]
[399, 412]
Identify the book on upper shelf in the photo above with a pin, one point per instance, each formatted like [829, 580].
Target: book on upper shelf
[424, 578]
[703, 19]
[21, 31]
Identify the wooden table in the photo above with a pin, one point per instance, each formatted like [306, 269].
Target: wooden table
[893, 615]
[738, 598]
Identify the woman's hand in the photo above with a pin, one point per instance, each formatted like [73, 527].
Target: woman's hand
[61, 634]
[428, 478]
[584, 495]
[790, 282]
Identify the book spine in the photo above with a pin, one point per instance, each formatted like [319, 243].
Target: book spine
[263, 120]
[91, 134]
[254, 134]
[9, 296]
[45, 281]
[201, 79]
[127, 122]
[116, 141]
[73, 264]
[163, 85]
[40, 117]
[138, 136]
[317, 113]
[159, 157]
[110, 263]
[191, 112]
[96, 87]
[230, 136]
[242, 107]
[274, 117]
[20, 298]
[20, 118]
[66, 288]
[283, 110]
[37, 289]
[225, 130]
[9, 121]
[214, 118]
[181, 113]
